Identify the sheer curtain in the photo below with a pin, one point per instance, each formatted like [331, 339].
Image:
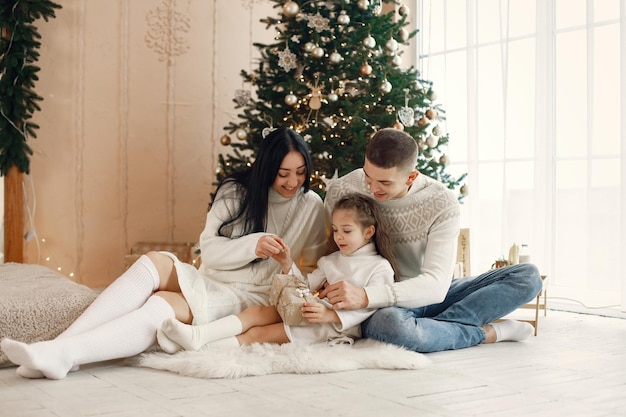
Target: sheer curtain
[533, 93]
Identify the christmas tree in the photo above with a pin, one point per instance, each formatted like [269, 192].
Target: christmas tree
[335, 75]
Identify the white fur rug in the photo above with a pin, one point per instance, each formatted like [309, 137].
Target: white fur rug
[265, 359]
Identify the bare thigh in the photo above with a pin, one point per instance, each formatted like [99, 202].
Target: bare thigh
[272, 333]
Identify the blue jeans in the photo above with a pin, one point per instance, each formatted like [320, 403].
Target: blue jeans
[457, 322]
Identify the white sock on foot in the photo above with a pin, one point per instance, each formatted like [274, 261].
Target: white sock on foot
[192, 337]
[123, 337]
[512, 330]
[127, 293]
[166, 344]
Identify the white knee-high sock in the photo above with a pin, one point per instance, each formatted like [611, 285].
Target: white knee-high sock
[191, 337]
[127, 293]
[123, 337]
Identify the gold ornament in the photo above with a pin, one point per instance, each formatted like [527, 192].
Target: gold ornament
[403, 34]
[317, 53]
[225, 140]
[431, 113]
[423, 121]
[291, 9]
[403, 10]
[365, 70]
[398, 126]
[464, 190]
[363, 4]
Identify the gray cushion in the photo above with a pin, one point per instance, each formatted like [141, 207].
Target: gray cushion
[37, 303]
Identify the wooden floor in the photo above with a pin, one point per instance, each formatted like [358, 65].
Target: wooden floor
[576, 366]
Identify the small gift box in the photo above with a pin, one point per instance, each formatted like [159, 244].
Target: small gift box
[288, 294]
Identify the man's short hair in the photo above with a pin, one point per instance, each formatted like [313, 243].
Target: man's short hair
[389, 148]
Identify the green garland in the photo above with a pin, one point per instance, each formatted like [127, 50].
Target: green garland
[19, 44]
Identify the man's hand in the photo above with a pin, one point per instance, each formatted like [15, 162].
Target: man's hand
[318, 313]
[345, 296]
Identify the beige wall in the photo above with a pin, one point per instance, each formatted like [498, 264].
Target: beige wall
[136, 95]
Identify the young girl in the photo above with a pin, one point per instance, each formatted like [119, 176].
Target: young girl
[363, 259]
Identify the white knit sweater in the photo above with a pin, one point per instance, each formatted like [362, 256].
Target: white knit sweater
[424, 227]
[299, 221]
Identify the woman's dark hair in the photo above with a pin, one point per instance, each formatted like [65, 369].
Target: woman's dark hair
[256, 181]
[368, 214]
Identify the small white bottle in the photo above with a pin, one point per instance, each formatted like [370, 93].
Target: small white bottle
[524, 253]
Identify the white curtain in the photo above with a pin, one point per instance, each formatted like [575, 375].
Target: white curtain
[533, 93]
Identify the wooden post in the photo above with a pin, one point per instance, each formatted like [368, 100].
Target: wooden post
[13, 216]
[13, 205]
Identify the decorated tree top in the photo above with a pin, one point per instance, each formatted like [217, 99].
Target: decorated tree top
[335, 74]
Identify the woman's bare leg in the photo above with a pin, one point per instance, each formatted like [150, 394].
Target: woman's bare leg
[194, 337]
[271, 333]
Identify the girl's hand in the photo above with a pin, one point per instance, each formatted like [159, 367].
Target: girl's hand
[319, 313]
[269, 245]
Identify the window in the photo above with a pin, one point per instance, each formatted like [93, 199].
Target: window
[533, 96]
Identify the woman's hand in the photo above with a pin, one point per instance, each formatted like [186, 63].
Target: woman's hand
[319, 313]
[269, 245]
[284, 259]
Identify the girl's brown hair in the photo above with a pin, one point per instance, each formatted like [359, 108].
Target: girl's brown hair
[368, 214]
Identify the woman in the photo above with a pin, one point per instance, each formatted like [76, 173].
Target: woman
[364, 258]
[255, 213]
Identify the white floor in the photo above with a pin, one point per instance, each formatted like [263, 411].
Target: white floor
[576, 366]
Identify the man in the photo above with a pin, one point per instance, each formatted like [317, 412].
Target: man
[425, 310]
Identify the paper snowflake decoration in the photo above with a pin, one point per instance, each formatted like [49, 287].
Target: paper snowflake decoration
[287, 60]
[318, 22]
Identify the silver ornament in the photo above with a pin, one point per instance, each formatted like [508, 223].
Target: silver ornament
[385, 87]
[241, 134]
[309, 46]
[370, 42]
[392, 45]
[242, 97]
[432, 141]
[403, 10]
[333, 97]
[343, 18]
[406, 114]
[335, 58]
[291, 99]
[363, 4]
[397, 60]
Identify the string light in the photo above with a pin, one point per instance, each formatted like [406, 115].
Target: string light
[52, 264]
